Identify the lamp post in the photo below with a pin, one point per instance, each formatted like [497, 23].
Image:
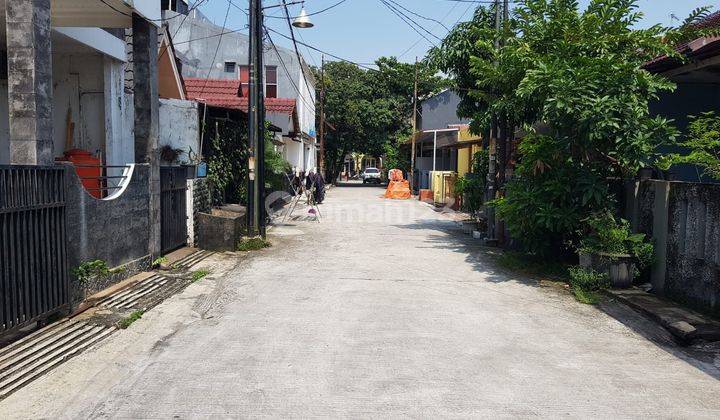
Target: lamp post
[256, 219]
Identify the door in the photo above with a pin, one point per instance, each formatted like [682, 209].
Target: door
[173, 211]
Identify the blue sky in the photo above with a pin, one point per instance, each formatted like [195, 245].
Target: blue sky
[363, 30]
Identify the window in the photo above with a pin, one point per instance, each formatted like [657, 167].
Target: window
[245, 81]
[271, 86]
[371, 171]
[270, 81]
[179, 6]
[230, 67]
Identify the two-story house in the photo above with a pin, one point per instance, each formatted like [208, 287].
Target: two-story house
[208, 51]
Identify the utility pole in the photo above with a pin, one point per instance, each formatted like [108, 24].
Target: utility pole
[322, 116]
[411, 175]
[256, 125]
[492, 152]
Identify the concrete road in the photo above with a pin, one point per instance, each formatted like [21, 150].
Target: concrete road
[380, 310]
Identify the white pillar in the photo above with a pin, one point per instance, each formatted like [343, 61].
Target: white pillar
[114, 103]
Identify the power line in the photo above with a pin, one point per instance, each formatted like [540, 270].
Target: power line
[361, 65]
[197, 4]
[419, 15]
[212, 62]
[287, 72]
[314, 13]
[408, 21]
[148, 19]
[297, 52]
[452, 9]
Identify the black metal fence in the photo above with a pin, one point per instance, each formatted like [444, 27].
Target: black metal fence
[173, 208]
[33, 256]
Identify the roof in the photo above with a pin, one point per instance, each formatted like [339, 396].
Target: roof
[223, 93]
[698, 49]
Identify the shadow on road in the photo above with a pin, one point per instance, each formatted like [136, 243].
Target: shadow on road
[483, 259]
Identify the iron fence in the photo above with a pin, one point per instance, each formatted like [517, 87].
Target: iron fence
[173, 208]
[33, 256]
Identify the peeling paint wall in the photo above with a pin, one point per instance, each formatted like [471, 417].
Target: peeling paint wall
[180, 127]
[683, 220]
[79, 88]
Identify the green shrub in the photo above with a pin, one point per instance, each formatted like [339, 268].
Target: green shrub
[90, 269]
[588, 279]
[158, 261]
[607, 235]
[703, 144]
[586, 282]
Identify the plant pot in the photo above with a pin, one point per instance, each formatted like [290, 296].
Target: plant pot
[621, 272]
[620, 267]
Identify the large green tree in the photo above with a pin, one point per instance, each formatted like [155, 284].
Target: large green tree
[574, 80]
[370, 111]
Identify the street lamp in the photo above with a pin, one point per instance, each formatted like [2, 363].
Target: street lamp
[303, 20]
[256, 115]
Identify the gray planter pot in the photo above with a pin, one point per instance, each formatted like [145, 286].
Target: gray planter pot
[620, 267]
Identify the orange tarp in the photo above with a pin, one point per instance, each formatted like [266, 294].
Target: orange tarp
[398, 188]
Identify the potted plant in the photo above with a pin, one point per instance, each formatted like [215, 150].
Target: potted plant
[610, 247]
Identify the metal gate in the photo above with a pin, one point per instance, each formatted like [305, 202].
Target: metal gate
[33, 256]
[173, 217]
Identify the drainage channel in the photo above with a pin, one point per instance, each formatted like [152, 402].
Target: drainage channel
[38, 353]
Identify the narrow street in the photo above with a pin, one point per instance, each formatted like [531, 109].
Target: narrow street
[383, 309]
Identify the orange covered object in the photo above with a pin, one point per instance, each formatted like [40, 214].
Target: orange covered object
[90, 171]
[395, 175]
[427, 196]
[398, 188]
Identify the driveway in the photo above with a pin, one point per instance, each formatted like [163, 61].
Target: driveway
[381, 310]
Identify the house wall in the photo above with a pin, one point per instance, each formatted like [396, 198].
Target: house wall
[292, 152]
[689, 99]
[440, 110]
[683, 220]
[116, 231]
[180, 127]
[78, 87]
[119, 117]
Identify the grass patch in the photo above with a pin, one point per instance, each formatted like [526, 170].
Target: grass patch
[532, 265]
[587, 297]
[252, 244]
[197, 275]
[586, 283]
[158, 261]
[128, 321]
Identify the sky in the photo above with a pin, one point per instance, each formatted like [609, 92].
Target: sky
[363, 30]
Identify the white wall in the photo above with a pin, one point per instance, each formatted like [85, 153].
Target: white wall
[292, 153]
[180, 126]
[306, 107]
[119, 117]
[78, 87]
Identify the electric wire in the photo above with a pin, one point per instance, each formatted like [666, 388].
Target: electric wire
[408, 21]
[287, 72]
[295, 45]
[212, 62]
